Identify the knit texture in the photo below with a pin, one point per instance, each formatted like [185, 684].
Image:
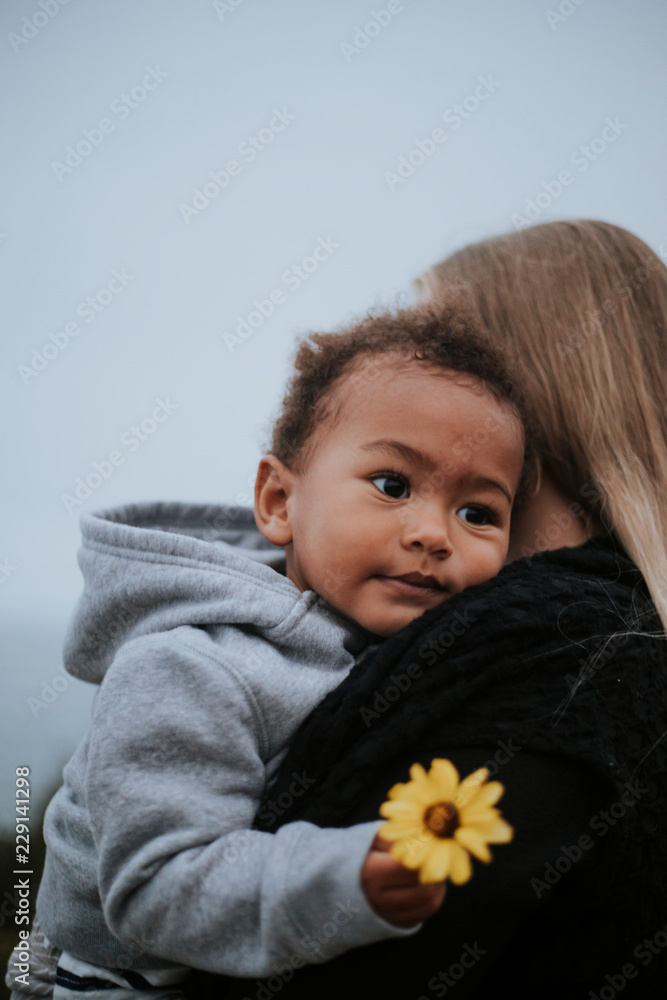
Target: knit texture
[560, 652]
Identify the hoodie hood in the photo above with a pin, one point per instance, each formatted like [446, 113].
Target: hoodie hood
[153, 567]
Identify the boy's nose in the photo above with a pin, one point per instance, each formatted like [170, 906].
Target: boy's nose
[428, 531]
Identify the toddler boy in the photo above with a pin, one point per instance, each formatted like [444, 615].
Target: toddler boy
[388, 488]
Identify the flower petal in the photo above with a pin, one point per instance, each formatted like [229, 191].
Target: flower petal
[399, 808]
[470, 785]
[412, 851]
[395, 829]
[417, 773]
[445, 778]
[486, 795]
[460, 868]
[413, 791]
[494, 830]
[502, 833]
[436, 866]
[396, 790]
[474, 842]
[431, 787]
[406, 822]
[479, 814]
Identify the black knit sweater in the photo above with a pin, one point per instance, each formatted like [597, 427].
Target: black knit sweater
[552, 674]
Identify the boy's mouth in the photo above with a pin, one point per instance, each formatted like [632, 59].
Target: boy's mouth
[415, 583]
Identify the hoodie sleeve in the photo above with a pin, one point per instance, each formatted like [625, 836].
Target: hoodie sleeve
[174, 777]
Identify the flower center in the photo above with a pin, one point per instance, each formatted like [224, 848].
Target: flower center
[442, 819]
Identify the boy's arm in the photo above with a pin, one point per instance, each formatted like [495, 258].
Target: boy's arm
[175, 774]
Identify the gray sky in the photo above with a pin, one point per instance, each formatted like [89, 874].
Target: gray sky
[143, 290]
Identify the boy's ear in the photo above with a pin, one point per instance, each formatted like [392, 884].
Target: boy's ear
[273, 487]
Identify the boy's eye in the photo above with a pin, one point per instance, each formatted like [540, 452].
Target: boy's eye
[392, 486]
[476, 515]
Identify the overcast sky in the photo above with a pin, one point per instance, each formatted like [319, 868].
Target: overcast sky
[189, 185]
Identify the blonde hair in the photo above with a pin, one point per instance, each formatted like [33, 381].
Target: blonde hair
[580, 310]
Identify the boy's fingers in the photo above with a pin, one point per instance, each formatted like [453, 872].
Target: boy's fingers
[390, 872]
[420, 906]
[418, 897]
[390, 875]
[380, 844]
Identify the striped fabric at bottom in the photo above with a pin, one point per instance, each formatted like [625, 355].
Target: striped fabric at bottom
[77, 980]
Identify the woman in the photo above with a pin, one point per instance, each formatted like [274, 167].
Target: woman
[553, 675]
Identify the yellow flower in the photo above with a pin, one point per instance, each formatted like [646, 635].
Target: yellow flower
[435, 820]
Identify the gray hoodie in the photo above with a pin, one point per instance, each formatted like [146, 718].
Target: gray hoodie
[208, 659]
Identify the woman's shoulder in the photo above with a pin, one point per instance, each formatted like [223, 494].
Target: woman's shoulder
[570, 636]
[582, 591]
[600, 561]
[602, 558]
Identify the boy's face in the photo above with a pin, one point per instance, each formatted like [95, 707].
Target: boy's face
[407, 494]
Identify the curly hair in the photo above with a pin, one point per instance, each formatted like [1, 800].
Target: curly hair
[442, 337]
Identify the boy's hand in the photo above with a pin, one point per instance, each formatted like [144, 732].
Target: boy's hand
[394, 891]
